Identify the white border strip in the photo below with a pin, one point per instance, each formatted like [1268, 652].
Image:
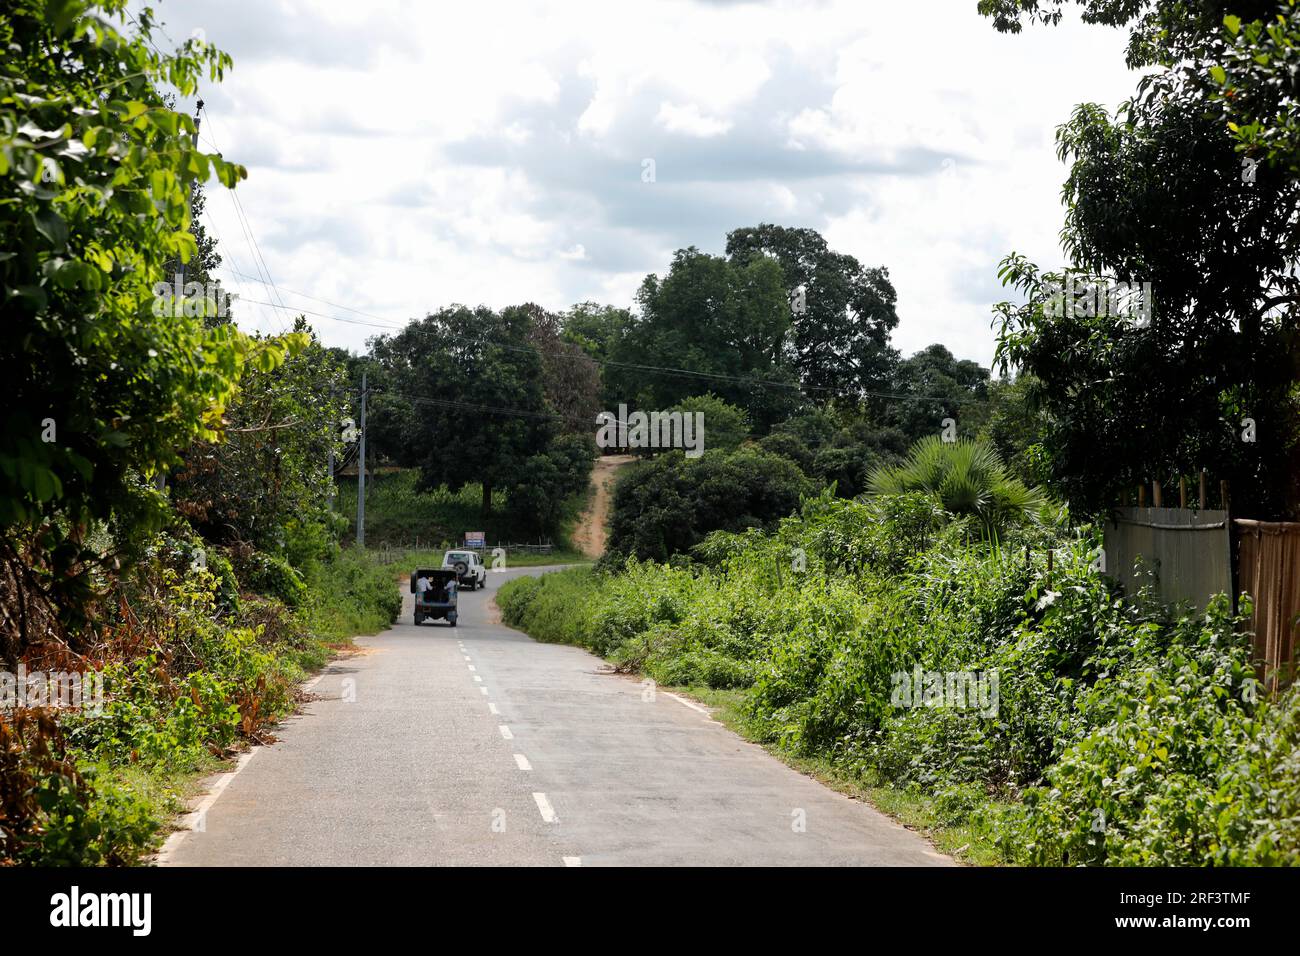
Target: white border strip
[689, 703]
[193, 818]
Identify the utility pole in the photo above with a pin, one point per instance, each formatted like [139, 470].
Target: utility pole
[189, 190]
[329, 472]
[329, 468]
[361, 471]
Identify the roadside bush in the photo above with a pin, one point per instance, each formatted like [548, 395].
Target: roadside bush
[274, 576]
[1178, 766]
[84, 821]
[666, 506]
[227, 583]
[548, 485]
[349, 595]
[189, 675]
[559, 613]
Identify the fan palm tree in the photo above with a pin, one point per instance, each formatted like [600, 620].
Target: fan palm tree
[966, 478]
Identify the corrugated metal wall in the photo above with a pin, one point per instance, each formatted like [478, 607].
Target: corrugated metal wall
[1189, 551]
[1269, 569]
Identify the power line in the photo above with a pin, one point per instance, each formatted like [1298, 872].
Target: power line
[220, 241]
[347, 308]
[259, 262]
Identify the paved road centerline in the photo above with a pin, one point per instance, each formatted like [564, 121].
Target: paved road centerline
[405, 771]
[544, 807]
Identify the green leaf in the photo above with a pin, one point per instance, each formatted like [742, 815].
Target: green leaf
[183, 244]
[1233, 24]
[1219, 75]
[45, 484]
[164, 120]
[62, 14]
[265, 360]
[51, 225]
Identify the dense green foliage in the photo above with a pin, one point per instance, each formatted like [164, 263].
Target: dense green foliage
[937, 385]
[201, 603]
[265, 481]
[725, 320]
[665, 506]
[399, 514]
[1116, 735]
[965, 478]
[1258, 72]
[456, 368]
[188, 676]
[1166, 192]
[103, 393]
[725, 426]
[839, 341]
[473, 396]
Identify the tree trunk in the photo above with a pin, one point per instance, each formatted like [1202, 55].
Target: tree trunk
[487, 499]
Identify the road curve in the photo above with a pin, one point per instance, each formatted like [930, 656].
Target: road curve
[476, 745]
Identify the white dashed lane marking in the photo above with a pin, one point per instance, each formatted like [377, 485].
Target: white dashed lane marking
[544, 807]
[523, 762]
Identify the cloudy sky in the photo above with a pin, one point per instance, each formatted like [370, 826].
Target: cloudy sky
[403, 156]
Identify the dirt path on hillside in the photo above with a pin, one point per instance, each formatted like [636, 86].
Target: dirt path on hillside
[589, 535]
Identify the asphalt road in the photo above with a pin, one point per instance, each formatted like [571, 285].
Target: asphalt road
[476, 745]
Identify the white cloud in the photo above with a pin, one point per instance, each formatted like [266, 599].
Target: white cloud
[689, 120]
[403, 156]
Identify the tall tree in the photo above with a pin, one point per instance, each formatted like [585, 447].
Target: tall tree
[840, 342]
[475, 385]
[269, 471]
[1205, 377]
[933, 385]
[1255, 71]
[94, 168]
[571, 377]
[723, 322]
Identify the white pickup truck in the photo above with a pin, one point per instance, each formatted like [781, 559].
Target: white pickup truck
[469, 568]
